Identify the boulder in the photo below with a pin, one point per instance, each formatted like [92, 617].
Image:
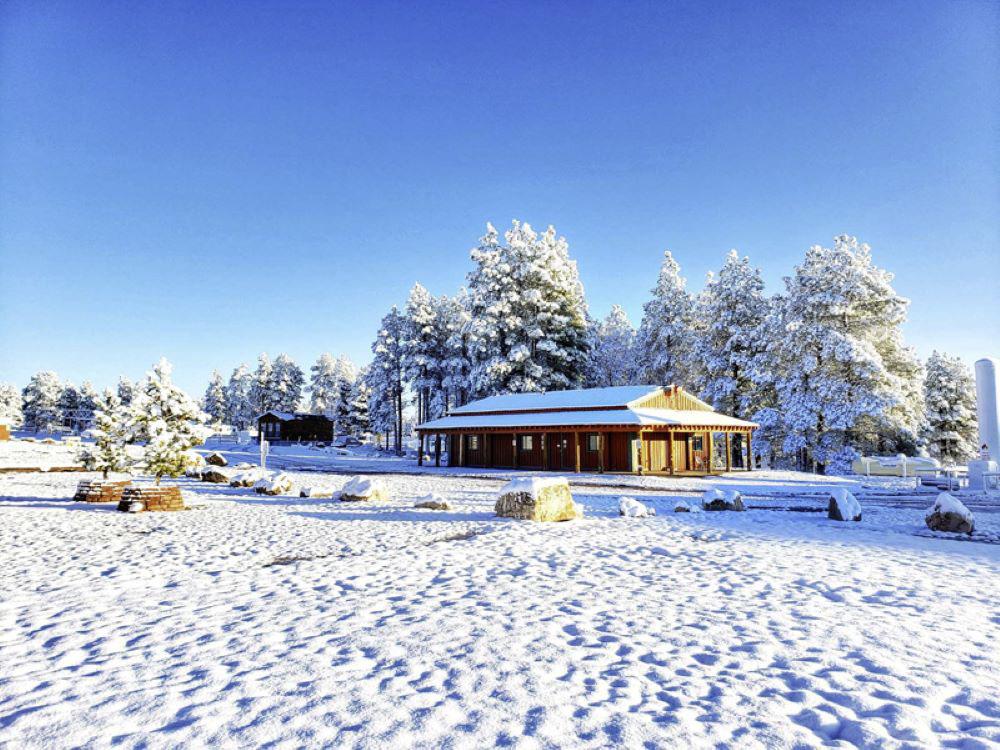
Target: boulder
[537, 499]
[683, 506]
[279, 484]
[214, 476]
[249, 478]
[632, 508]
[843, 506]
[243, 466]
[715, 499]
[361, 489]
[315, 492]
[949, 514]
[433, 501]
[216, 459]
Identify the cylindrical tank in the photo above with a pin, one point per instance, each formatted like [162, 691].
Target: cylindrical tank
[987, 398]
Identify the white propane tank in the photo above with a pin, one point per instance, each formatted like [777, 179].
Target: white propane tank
[987, 397]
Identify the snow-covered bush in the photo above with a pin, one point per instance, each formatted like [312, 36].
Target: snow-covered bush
[111, 431]
[170, 420]
[632, 508]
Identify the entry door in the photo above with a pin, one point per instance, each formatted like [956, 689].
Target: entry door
[560, 449]
[681, 451]
[655, 449]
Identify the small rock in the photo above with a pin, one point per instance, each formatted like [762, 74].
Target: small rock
[433, 501]
[315, 492]
[632, 508]
[216, 459]
[949, 514]
[214, 476]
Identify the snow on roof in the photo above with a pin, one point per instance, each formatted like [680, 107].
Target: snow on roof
[571, 399]
[284, 416]
[637, 417]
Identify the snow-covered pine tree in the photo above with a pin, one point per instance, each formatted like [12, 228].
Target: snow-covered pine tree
[528, 315]
[89, 398]
[346, 374]
[69, 406]
[10, 405]
[126, 390]
[112, 430]
[453, 313]
[239, 394]
[951, 428]
[171, 421]
[323, 385]
[214, 401]
[262, 395]
[835, 390]
[385, 378]
[360, 393]
[665, 335]
[612, 358]
[424, 350]
[730, 314]
[287, 380]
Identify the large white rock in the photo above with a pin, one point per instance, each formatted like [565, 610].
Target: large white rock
[949, 514]
[537, 499]
[364, 489]
[632, 508]
[315, 492]
[280, 484]
[249, 478]
[843, 506]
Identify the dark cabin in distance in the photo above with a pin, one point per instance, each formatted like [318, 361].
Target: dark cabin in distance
[288, 427]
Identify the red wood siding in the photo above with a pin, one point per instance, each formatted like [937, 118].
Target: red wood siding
[503, 449]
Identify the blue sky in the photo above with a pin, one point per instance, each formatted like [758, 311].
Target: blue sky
[207, 181]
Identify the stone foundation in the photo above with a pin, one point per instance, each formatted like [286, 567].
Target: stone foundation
[136, 499]
[100, 491]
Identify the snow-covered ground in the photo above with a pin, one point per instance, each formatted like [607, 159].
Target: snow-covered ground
[250, 620]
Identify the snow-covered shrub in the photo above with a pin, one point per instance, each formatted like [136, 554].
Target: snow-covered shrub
[949, 514]
[843, 506]
[632, 508]
[111, 432]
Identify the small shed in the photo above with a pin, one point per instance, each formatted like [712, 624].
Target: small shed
[643, 429]
[4, 431]
[289, 427]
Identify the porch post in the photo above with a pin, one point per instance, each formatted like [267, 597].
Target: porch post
[749, 442]
[461, 449]
[545, 450]
[576, 452]
[517, 451]
[711, 450]
[602, 443]
[729, 451]
[420, 448]
[437, 449]
[670, 451]
[640, 459]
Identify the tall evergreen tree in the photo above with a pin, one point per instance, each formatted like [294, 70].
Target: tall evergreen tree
[88, 404]
[951, 428]
[457, 366]
[126, 390]
[612, 351]
[731, 314]
[528, 323]
[40, 401]
[287, 381]
[345, 376]
[424, 351]
[835, 389]
[10, 405]
[323, 386]
[665, 334]
[359, 404]
[239, 398]
[69, 406]
[214, 401]
[385, 378]
[262, 395]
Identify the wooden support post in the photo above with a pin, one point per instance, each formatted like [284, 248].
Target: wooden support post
[749, 463]
[461, 449]
[437, 449]
[420, 449]
[545, 450]
[729, 451]
[517, 452]
[670, 451]
[639, 466]
[576, 452]
[711, 450]
[601, 458]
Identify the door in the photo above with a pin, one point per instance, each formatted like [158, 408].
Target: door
[681, 450]
[619, 451]
[654, 448]
[558, 445]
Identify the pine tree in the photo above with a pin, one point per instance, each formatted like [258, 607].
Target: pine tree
[214, 402]
[346, 374]
[424, 351]
[171, 421]
[126, 390]
[239, 395]
[456, 368]
[528, 322]
[69, 406]
[951, 429]
[40, 401]
[359, 404]
[835, 390]
[10, 405]
[287, 381]
[732, 338]
[88, 404]
[323, 386]
[612, 351]
[385, 378]
[111, 428]
[665, 334]
[262, 393]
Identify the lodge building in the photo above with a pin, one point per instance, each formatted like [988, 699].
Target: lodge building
[288, 427]
[643, 429]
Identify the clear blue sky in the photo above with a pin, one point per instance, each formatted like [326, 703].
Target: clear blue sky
[207, 181]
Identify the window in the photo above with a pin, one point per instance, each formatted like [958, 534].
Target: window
[697, 443]
[593, 443]
[473, 442]
[527, 442]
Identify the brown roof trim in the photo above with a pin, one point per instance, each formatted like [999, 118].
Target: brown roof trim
[539, 411]
[587, 428]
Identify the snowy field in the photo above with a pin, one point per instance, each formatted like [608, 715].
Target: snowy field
[287, 622]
